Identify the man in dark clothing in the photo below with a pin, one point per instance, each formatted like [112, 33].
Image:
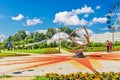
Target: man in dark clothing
[107, 45]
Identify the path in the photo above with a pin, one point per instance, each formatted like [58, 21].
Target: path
[59, 63]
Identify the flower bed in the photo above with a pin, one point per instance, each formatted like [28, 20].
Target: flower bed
[81, 76]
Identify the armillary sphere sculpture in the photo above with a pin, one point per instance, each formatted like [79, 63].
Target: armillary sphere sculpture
[82, 46]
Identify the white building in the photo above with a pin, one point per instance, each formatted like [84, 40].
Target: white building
[104, 37]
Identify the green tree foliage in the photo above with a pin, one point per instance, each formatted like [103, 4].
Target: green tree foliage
[35, 46]
[96, 44]
[50, 32]
[116, 43]
[8, 45]
[19, 36]
[67, 30]
[63, 44]
[43, 45]
[29, 38]
[52, 44]
[39, 37]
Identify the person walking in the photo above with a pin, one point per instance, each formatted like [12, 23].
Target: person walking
[108, 45]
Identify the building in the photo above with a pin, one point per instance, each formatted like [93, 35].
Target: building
[104, 37]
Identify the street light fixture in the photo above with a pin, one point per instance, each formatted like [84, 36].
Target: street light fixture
[59, 40]
[113, 31]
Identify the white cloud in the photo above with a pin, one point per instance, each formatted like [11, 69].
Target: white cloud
[86, 15]
[90, 23]
[98, 7]
[81, 32]
[17, 18]
[106, 28]
[42, 31]
[99, 20]
[74, 20]
[68, 18]
[27, 32]
[71, 17]
[84, 9]
[31, 22]
[83, 22]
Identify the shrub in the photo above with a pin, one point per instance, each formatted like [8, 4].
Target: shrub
[35, 46]
[51, 51]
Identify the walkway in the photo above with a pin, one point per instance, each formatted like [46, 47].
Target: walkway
[59, 63]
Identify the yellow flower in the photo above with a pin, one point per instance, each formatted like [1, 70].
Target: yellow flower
[96, 79]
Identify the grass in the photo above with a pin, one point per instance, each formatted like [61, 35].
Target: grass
[5, 76]
[96, 49]
[36, 51]
[42, 51]
[67, 49]
[5, 54]
[40, 78]
[90, 49]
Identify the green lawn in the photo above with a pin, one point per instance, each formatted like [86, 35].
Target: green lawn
[96, 49]
[42, 51]
[5, 76]
[4, 54]
[37, 51]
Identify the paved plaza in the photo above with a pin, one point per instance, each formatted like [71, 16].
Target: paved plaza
[41, 64]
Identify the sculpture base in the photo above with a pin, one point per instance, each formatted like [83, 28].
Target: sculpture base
[78, 55]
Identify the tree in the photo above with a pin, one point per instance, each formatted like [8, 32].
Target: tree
[39, 37]
[43, 45]
[30, 36]
[19, 36]
[22, 34]
[8, 45]
[67, 30]
[50, 32]
[35, 46]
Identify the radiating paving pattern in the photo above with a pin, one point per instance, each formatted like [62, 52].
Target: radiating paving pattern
[42, 64]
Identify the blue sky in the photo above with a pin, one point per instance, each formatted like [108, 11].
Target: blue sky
[33, 15]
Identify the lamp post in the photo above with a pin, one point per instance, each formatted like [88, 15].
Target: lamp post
[59, 40]
[113, 31]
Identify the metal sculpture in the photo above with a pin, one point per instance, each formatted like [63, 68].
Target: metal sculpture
[79, 52]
